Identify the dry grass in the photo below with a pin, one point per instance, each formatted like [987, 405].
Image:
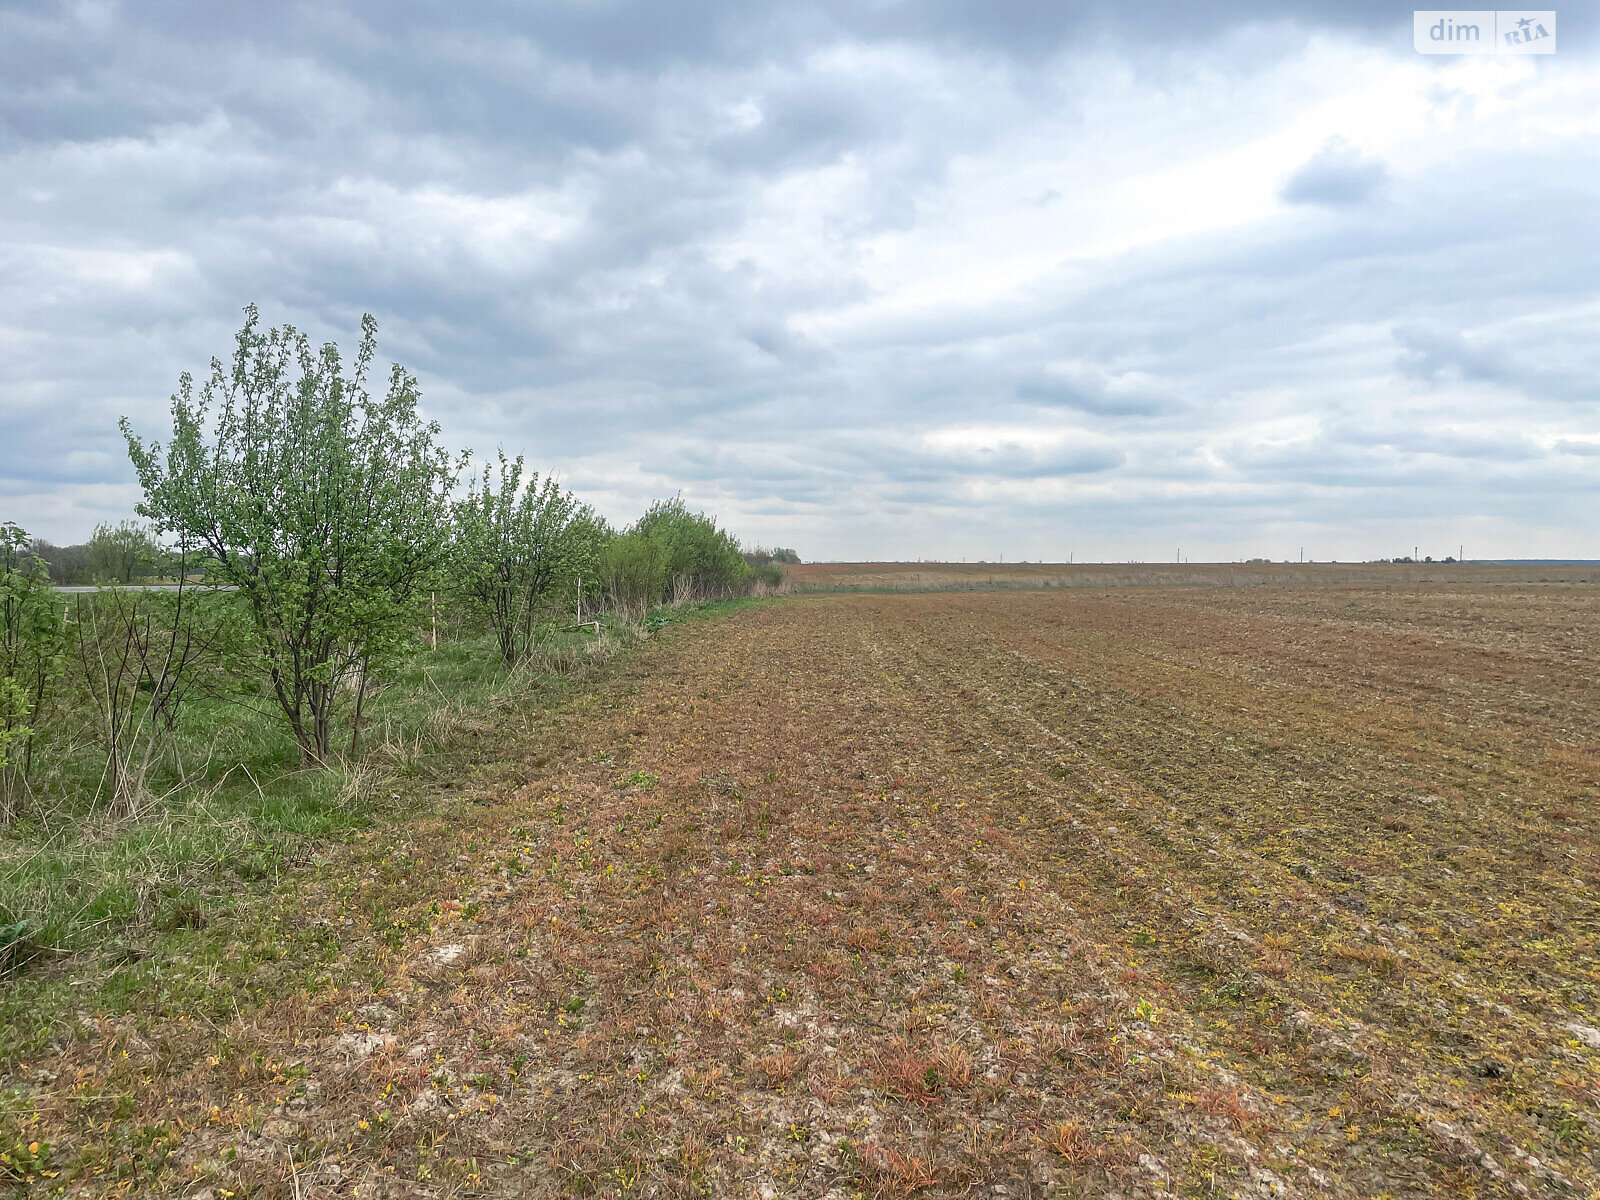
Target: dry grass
[1228, 1104]
[777, 1070]
[894, 1175]
[1073, 1143]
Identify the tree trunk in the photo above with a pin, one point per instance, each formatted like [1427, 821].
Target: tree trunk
[355, 723]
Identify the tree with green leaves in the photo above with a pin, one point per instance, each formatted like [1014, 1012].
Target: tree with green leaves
[521, 551]
[30, 659]
[123, 553]
[702, 560]
[325, 506]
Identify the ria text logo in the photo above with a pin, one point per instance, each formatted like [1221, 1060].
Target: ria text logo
[1484, 31]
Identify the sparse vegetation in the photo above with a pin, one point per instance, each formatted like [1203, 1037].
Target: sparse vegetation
[30, 661]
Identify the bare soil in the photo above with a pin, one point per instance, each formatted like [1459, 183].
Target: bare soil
[1279, 891]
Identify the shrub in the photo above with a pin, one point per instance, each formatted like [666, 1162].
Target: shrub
[521, 551]
[30, 660]
[635, 568]
[325, 507]
[761, 556]
[700, 559]
[139, 656]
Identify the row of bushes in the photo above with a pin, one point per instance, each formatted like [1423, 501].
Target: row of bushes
[311, 527]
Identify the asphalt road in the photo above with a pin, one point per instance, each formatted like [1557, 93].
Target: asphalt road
[138, 587]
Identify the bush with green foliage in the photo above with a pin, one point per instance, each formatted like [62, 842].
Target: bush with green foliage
[635, 568]
[521, 551]
[326, 507]
[697, 559]
[768, 565]
[30, 660]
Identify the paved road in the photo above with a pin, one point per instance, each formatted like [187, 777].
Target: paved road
[77, 589]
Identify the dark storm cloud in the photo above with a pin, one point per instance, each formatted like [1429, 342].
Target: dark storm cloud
[745, 250]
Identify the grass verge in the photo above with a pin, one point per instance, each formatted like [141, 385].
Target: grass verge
[191, 906]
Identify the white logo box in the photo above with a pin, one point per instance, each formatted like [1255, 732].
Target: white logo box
[1484, 31]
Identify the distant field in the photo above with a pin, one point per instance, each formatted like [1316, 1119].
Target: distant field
[954, 576]
[1277, 891]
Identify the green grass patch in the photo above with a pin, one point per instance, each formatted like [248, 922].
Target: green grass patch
[702, 610]
[230, 805]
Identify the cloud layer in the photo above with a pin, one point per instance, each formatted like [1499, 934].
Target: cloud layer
[882, 280]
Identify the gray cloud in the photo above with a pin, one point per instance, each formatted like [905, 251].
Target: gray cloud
[1010, 460]
[1435, 354]
[1337, 174]
[1097, 393]
[1442, 357]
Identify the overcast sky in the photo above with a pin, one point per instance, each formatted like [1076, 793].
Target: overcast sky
[874, 280]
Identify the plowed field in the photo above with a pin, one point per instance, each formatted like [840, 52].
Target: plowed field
[1286, 891]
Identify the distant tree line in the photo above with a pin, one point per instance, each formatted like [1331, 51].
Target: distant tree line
[124, 553]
